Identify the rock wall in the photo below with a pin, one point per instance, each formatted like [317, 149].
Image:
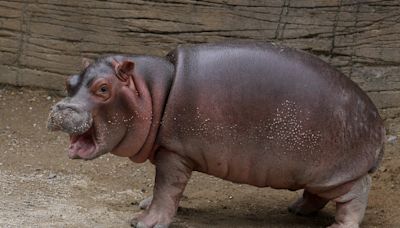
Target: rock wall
[43, 41]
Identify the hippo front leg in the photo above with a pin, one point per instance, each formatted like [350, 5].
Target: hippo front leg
[172, 174]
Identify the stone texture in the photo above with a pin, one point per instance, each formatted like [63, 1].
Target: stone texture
[41, 42]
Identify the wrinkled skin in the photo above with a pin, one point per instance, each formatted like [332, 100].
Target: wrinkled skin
[246, 112]
[105, 113]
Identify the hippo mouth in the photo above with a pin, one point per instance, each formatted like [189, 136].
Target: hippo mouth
[83, 145]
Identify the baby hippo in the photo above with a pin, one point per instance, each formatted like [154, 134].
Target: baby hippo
[250, 113]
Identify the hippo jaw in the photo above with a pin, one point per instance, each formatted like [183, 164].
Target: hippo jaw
[84, 145]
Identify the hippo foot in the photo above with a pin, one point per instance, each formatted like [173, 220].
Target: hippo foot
[350, 207]
[307, 205]
[144, 204]
[341, 225]
[150, 220]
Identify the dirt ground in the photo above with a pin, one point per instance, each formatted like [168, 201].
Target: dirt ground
[41, 187]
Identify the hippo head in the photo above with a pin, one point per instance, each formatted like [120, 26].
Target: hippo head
[108, 109]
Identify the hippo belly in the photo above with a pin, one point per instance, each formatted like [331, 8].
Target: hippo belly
[269, 116]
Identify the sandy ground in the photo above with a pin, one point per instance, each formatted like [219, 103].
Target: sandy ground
[41, 187]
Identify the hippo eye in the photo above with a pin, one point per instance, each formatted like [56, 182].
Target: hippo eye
[103, 89]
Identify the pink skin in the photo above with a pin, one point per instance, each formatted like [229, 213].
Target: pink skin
[83, 146]
[125, 102]
[125, 122]
[131, 133]
[284, 136]
[172, 174]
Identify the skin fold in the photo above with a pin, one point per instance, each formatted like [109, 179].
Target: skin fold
[250, 113]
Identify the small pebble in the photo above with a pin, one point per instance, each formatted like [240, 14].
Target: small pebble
[383, 169]
[52, 176]
[391, 139]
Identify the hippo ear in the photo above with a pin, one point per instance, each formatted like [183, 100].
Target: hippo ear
[86, 62]
[124, 70]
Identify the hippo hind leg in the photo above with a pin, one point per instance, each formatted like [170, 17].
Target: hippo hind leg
[350, 207]
[308, 204]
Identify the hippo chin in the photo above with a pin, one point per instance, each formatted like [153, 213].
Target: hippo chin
[251, 113]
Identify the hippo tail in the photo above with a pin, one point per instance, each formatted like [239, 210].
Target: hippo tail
[378, 160]
[380, 152]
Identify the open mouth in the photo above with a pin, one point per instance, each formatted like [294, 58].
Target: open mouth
[84, 145]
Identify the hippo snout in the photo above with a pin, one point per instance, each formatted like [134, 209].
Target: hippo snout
[69, 118]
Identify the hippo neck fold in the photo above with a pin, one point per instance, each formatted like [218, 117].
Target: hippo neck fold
[156, 75]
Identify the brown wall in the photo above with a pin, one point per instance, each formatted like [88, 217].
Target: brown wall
[43, 41]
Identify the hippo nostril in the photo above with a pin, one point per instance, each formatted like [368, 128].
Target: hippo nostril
[59, 106]
[65, 107]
